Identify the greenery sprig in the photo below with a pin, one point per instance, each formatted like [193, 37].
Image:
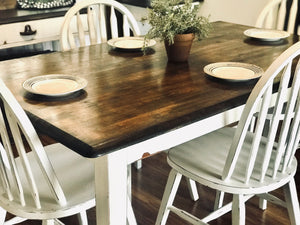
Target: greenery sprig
[168, 18]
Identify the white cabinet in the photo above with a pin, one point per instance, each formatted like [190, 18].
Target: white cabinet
[46, 30]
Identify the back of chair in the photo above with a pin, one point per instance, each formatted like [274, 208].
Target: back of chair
[270, 156]
[281, 15]
[89, 22]
[17, 136]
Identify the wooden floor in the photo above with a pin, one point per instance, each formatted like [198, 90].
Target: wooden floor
[147, 187]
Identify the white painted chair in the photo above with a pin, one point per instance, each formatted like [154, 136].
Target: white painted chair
[96, 21]
[37, 182]
[280, 15]
[245, 163]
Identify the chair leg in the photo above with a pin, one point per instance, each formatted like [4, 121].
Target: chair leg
[192, 189]
[292, 202]
[168, 197]
[82, 218]
[238, 210]
[219, 199]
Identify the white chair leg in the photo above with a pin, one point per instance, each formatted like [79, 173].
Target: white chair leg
[192, 189]
[168, 197]
[238, 210]
[219, 199]
[292, 202]
[82, 218]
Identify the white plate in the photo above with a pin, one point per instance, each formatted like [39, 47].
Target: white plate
[233, 71]
[266, 34]
[54, 85]
[130, 43]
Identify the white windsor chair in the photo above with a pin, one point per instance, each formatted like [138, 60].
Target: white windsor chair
[96, 21]
[280, 15]
[37, 182]
[254, 165]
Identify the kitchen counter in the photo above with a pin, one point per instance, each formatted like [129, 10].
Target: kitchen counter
[21, 15]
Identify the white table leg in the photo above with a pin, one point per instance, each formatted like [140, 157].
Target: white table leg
[111, 189]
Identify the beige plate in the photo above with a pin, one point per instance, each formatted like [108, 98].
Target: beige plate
[266, 34]
[130, 43]
[233, 71]
[54, 85]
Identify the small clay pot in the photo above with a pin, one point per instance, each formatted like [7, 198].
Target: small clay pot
[180, 50]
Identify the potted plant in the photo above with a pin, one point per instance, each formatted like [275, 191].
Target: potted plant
[176, 22]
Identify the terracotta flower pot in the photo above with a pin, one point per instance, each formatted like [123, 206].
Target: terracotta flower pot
[180, 50]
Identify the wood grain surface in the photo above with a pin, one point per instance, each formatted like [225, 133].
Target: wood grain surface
[131, 97]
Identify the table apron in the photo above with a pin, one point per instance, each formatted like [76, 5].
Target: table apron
[178, 136]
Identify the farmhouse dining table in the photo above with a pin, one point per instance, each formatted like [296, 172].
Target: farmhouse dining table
[136, 105]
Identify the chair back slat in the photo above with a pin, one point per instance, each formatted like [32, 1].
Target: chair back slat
[92, 25]
[80, 30]
[281, 9]
[102, 19]
[14, 128]
[262, 115]
[126, 28]
[103, 22]
[271, 154]
[113, 23]
[8, 165]
[18, 137]
[291, 18]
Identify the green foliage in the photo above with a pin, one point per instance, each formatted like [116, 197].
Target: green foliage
[171, 17]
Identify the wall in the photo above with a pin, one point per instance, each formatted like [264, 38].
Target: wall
[235, 11]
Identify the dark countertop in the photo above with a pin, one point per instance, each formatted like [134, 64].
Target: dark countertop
[21, 15]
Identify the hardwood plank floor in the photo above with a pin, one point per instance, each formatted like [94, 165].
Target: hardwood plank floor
[147, 188]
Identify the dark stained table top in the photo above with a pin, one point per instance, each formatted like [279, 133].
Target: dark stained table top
[131, 97]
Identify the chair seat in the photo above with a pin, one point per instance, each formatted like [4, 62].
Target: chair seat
[203, 159]
[76, 176]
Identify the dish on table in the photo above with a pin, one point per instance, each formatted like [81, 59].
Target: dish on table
[130, 43]
[266, 34]
[233, 71]
[54, 85]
